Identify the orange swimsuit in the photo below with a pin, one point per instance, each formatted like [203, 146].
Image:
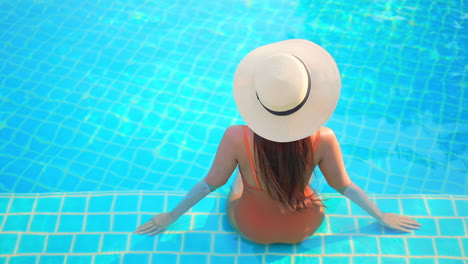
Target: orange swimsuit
[260, 218]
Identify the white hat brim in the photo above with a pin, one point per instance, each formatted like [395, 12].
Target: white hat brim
[324, 93]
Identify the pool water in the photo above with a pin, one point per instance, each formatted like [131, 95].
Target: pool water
[106, 106]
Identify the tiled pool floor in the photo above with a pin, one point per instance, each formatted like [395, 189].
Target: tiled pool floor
[97, 228]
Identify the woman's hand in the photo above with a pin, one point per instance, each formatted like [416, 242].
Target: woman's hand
[157, 224]
[399, 222]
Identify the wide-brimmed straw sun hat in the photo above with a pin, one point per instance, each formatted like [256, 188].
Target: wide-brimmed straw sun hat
[287, 90]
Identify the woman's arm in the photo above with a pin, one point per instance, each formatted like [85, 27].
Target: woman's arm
[332, 166]
[222, 168]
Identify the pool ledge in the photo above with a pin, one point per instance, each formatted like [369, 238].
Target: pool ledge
[96, 227]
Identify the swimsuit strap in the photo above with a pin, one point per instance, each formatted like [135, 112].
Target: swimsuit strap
[246, 140]
[316, 140]
[317, 136]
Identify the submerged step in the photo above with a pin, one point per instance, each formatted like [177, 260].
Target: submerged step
[97, 227]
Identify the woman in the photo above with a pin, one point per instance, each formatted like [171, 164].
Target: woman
[285, 92]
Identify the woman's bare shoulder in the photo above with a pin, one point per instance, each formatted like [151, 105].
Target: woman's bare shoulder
[327, 135]
[327, 141]
[235, 129]
[234, 134]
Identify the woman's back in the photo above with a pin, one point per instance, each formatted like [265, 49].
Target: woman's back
[256, 214]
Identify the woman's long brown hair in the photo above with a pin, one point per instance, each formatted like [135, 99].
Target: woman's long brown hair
[283, 167]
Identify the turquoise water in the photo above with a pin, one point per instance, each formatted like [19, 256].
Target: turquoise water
[136, 96]
[129, 99]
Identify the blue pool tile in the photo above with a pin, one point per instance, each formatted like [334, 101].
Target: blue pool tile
[169, 242]
[365, 245]
[414, 207]
[249, 247]
[337, 206]
[259, 259]
[342, 224]
[324, 228]
[114, 242]
[124, 222]
[85, 186]
[98, 204]
[451, 261]
[335, 260]
[9, 181]
[462, 207]
[164, 258]
[3, 260]
[174, 200]
[98, 223]
[465, 245]
[183, 223]
[86, 243]
[222, 259]
[197, 242]
[448, 247]
[4, 202]
[22, 259]
[191, 258]
[430, 260]
[80, 259]
[310, 260]
[375, 187]
[337, 245]
[226, 243]
[279, 259]
[226, 225]
[441, 207]
[51, 174]
[365, 259]
[390, 260]
[223, 201]
[454, 188]
[69, 182]
[152, 203]
[207, 205]
[420, 246]
[392, 246]
[24, 186]
[312, 245]
[145, 218]
[428, 228]
[389, 205]
[451, 227]
[390, 188]
[126, 203]
[8, 243]
[74, 204]
[71, 223]
[16, 223]
[22, 205]
[357, 211]
[51, 259]
[142, 243]
[369, 226]
[207, 222]
[59, 243]
[43, 223]
[281, 248]
[132, 258]
[48, 204]
[31, 244]
[107, 259]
